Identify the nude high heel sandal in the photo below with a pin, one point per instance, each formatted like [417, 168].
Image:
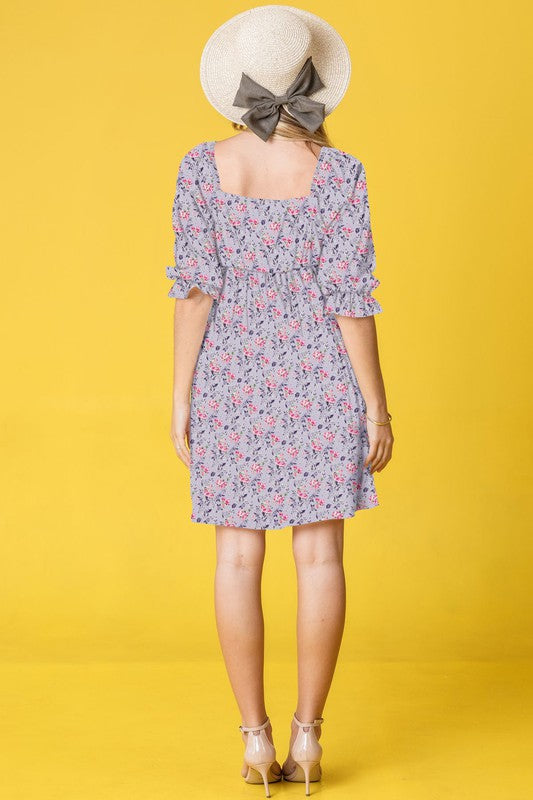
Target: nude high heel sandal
[306, 751]
[259, 756]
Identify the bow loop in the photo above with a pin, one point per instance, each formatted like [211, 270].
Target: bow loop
[264, 107]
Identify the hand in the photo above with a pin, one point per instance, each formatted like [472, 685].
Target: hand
[381, 441]
[180, 429]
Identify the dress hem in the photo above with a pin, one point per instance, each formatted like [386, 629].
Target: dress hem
[344, 515]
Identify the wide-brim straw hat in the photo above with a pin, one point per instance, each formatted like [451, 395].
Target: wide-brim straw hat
[270, 44]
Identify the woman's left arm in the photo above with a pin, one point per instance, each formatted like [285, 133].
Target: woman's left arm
[360, 339]
[190, 318]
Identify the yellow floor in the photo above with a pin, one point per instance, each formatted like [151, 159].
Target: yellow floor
[111, 731]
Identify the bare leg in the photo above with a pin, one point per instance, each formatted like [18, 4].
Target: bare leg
[318, 555]
[239, 619]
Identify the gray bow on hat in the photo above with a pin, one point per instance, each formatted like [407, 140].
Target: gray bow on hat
[264, 107]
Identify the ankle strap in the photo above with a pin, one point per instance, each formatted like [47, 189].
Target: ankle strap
[257, 727]
[314, 724]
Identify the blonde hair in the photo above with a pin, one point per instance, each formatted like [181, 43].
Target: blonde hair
[289, 128]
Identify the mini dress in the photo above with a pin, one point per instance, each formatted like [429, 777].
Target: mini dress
[278, 431]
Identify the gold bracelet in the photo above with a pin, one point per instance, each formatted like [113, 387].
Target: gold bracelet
[380, 423]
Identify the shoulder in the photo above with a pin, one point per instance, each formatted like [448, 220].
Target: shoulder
[193, 163]
[346, 171]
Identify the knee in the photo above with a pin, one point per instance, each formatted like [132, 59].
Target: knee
[241, 550]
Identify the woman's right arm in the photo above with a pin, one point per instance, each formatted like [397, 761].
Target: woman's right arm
[190, 319]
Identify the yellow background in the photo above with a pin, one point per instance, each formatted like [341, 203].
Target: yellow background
[100, 562]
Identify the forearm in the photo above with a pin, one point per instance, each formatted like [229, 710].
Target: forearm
[360, 338]
[190, 318]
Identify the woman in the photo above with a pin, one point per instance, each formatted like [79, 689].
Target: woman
[276, 368]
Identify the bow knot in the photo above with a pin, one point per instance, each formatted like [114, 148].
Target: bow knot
[264, 107]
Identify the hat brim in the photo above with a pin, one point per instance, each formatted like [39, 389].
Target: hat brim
[220, 71]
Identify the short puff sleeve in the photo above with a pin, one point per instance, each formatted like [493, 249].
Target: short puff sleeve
[347, 257]
[195, 252]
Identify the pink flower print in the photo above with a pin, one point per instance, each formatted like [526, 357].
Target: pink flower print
[310, 422]
[274, 225]
[329, 397]
[351, 467]
[346, 406]
[328, 436]
[315, 444]
[273, 438]
[239, 455]
[318, 355]
[318, 317]
[272, 293]
[339, 477]
[257, 430]
[204, 470]
[294, 210]
[241, 207]
[306, 366]
[201, 414]
[318, 502]
[282, 334]
[286, 240]
[270, 420]
[242, 514]
[295, 324]
[224, 501]
[312, 210]
[247, 389]
[238, 310]
[213, 403]
[276, 312]
[323, 374]
[238, 271]
[230, 376]
[244, 477]
[342, 387]
[236, 399]
[259, 303]
[235, 436]
[255, 467]
[265, 360]
[266, 508]
[226, 319]
[226, 357]
[280, 461]
[217, 422]
[221, 483]
[253, 280]
[292, 450]
[301, 259]
[283, 372]
[235, 221]
[283, 517]
[249, 256]
[207, 187]
[306, 403]
[333, 455]
[199, 450]
[222, 446]
[299, 342]
[252, 408]
[340, 347]
[254, 222]
[260, 341]
[279, 498]
[314, 483]
[296, 470]
[301, 491]
[352, 429]
[208, 492]
[247, 351]
[270, 382]
[242, 328]
[295, 287]
[268, 240]
[294, 413]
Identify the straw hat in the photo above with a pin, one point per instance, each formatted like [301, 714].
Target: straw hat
[272, 56]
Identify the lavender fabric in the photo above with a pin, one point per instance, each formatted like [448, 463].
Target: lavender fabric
[278, 431]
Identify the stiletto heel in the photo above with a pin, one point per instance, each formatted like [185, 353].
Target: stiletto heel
[306, 752]
[260, 756]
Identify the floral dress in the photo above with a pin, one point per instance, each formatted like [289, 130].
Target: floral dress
[278, 431]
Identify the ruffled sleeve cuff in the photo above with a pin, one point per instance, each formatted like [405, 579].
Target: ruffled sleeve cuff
[354, 302]
[185, 280]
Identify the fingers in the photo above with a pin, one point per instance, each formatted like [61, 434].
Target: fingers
[180, 445]
[379, 453]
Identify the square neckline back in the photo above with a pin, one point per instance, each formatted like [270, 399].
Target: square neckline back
[246, 198]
